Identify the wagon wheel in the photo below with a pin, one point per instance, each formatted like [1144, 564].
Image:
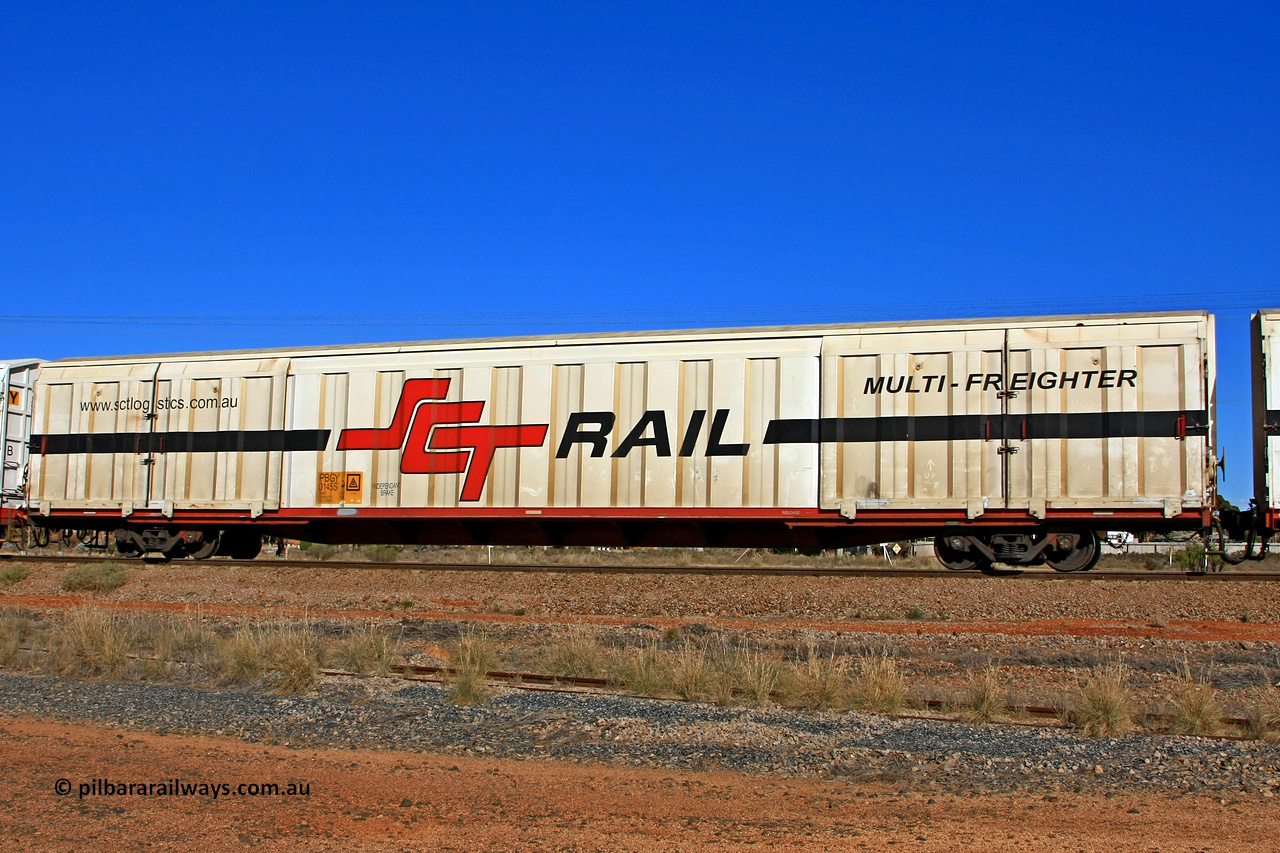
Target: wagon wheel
[1081, 558]
[208, 545]
[959, 561]
[126, 545]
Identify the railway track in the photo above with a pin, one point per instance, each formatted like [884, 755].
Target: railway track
[709, 571]
[928, 709]
[934, 709]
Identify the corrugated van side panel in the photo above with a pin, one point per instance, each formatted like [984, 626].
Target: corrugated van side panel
[693, 481]
[1266, 414]
[910, 375]
[384, 476]
[650, 396]
[98, 400]
[970, 418]
[1108, 370]
[246, 396]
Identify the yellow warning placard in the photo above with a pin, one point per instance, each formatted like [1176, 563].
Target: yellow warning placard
[335, 487]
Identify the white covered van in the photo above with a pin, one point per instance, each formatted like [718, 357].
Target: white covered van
[817, 436]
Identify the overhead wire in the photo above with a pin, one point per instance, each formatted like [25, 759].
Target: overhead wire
[629, 317]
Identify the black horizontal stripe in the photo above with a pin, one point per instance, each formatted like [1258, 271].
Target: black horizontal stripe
[1113, 425]
[929, 428]
[218, 441]
[970, 427]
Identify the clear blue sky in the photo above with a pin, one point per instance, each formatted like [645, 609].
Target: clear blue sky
[176, 178]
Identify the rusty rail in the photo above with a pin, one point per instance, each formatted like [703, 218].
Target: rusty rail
[1040, 714]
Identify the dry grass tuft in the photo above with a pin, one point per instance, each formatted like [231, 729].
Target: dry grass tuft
[880, 686]
[644, 671]
[243, 657]
[317, 550]
[468, 687]
[92, 641]
[95, 577]
[378, 553]
[10, 575]
[1103, 706]
[1196, 709]
[366, 649]
[191, 637]
[173, 647]
[984, 697]
[14, 631]
[815, 683]
[1262, 710]
[471, 659]
[575, 655]
[293, 654]
[722, 662]
[755, 676]
[693, 676]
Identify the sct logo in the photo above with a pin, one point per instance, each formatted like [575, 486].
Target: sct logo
[433, 440]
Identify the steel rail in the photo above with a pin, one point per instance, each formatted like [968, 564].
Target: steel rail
[1038, 714]
[704, 571]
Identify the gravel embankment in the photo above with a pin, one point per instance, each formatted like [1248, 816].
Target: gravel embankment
[387, 713]
[568, 596]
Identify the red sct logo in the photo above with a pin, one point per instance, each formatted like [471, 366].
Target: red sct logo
[434, 440]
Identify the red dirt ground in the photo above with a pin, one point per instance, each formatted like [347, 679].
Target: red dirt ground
[395, 801]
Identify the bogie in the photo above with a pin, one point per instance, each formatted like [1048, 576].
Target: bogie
[161, 544]
[1062, 551]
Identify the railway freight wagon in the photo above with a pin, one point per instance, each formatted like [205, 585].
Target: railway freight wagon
[1008, 440]
[17, 386]
[1266, 421]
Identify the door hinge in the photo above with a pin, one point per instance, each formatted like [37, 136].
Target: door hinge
[1006, 448]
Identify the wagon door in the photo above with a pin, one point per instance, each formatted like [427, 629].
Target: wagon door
[912, 420]
[1111, 416]
[222, 427]
[92, 446]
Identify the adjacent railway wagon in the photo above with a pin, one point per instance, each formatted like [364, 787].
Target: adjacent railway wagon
[17, 385]
[1009, 440]
[1266, 420]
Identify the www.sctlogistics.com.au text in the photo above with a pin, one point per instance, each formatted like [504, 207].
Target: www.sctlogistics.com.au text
[136, 404]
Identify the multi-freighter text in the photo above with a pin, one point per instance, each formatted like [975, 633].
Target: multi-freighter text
[1048, 380]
